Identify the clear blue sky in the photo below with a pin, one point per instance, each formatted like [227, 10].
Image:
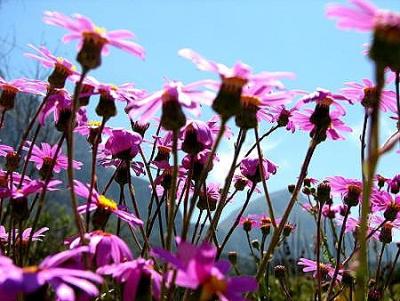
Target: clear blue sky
[268, 35]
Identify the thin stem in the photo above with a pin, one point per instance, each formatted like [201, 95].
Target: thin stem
[339, 247]
[277, 233]
[236, 223]
[197, 225]
[228, 181]
[29, 154]
[363, 134]
[378, 269]
[370, 168]
[70, 154]
[205, 169]
[263, 181]
[93, 170]
[319, 251]
[172, 193]
[393, 267]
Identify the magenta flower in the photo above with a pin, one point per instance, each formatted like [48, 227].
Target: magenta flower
[53, 271]
[196, 268]
[105, 248]
[123, 144]
[283, 116]
[363, 16]
[209, 197]
[43, 157]
[37, 235]
[348, 189]
[239, 70]
[132, 273]
[94, 40]
[90, 128]
[62, 67]
[365, 93]
[10, 89]
[384, 201]
[104, 206]
[249, 167]
[323, 96]
[325, 268]
[23, 85]
[303, 120]
[196, 136]
[189, 96]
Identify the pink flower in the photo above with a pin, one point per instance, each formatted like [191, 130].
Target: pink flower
[349, 189]
[283, 116]
[83, 29]
[23, 85]
[304, 120]
[130, 273]
[43, 157]
[325, 268]
[104, 207]
[323, 96]
[189, 96]
[62, 67]
[239, 70]
[384, 201]
[249, 167]
[365, 93]
[105, 248]
[196, 136]
[197, 267]
[122, 144]
[363, 16]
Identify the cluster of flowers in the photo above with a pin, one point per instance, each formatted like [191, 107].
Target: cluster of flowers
[96, 262]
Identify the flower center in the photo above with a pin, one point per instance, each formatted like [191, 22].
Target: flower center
[370, 97]
[30, 269]
[107, 203]
[387, 26]
[212, 287]
[94, 123]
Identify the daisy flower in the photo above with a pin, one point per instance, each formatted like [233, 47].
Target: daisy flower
[94, 40]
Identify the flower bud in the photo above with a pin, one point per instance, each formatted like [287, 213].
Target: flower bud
[89, 55]
[100, 218]
[381, 181]
[240, 184]
[46, 171]
[19, 208]
[227, 102]
[321, 120]
[86, 91]
[291, 188]
[353, 195]
[163, 154]
[122, 173]
[375, 295]
[232, 257]
[12, 160]
[59, 76]
[323, 192]
[247, 225]
[64, 120]
[391, 212]
[283, 118]
[280, 271]
[385, 235]
[255, 244]
[7, 98]
[140, 128]
[246, 117]
[106, 107]
[288, 229]
[172, 116]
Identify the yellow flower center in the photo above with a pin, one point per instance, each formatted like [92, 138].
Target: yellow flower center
[100, 30]
[30, 269]
[212, 287]
[107, 203]
[94, 123]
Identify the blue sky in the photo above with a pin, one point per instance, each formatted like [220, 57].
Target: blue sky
[268, 35]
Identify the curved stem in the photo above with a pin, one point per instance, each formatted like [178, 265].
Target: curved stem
[236, 223]
[277, 233]
[319, 292]
[338, 250]
[263, 181]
